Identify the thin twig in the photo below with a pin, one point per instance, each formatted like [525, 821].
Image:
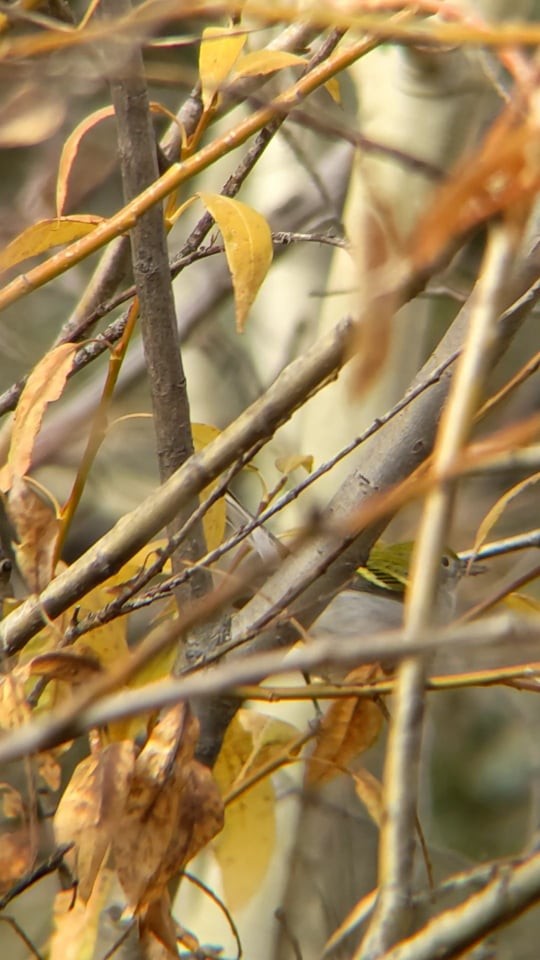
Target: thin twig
[221, 905]
[43, 869]
[513, 889]
[135, 529]
[396, 851]
[80, 716]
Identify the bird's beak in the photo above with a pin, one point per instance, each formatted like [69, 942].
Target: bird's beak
[471, 567]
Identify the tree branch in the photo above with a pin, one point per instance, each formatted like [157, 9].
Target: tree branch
[397, 844]
[168, 388]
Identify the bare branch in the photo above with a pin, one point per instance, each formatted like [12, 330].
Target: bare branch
[396, 852]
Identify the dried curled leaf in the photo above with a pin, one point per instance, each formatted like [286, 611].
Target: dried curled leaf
[349, 727]
[91, 810]
[172, 809]
[36, 528]
[44, 385]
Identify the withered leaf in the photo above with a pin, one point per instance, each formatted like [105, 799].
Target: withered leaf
[369, 790]
[173, 808]
[91, 809]
[349, 727]
[36, 529]
[17, 854]
[72, 668]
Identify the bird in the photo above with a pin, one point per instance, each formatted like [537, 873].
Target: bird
[373, 601]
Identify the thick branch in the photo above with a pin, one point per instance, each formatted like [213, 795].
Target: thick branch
[150, 261]
[79, 717]
[510, 893]
[135, 529]
[389, 458]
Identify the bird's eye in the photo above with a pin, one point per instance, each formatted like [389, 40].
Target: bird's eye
[445, 561]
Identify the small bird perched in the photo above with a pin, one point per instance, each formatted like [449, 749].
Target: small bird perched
[374, 602]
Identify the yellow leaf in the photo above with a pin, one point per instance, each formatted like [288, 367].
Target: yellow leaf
[220, 49]
[43, 235]
[333, 88]
[245, 846]
[248, 248]
[523, 604]
[269, 735]
[44, 385]
[71, 146]
[260, 62]
[286, 465]
[500, 506]
[349, 727]
[107, 643]
[214, 520]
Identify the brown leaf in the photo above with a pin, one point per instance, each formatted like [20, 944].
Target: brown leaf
[16, 856]
[36, 529]
[501, 177]
[72, 668]
[349, 727]
[14, 710]
[379, 248]
[173, 809]
[369, 790]
[92, 807]
[157, 920]
[200, 815]
[79, 927]
[44, 385]
[12, 801]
